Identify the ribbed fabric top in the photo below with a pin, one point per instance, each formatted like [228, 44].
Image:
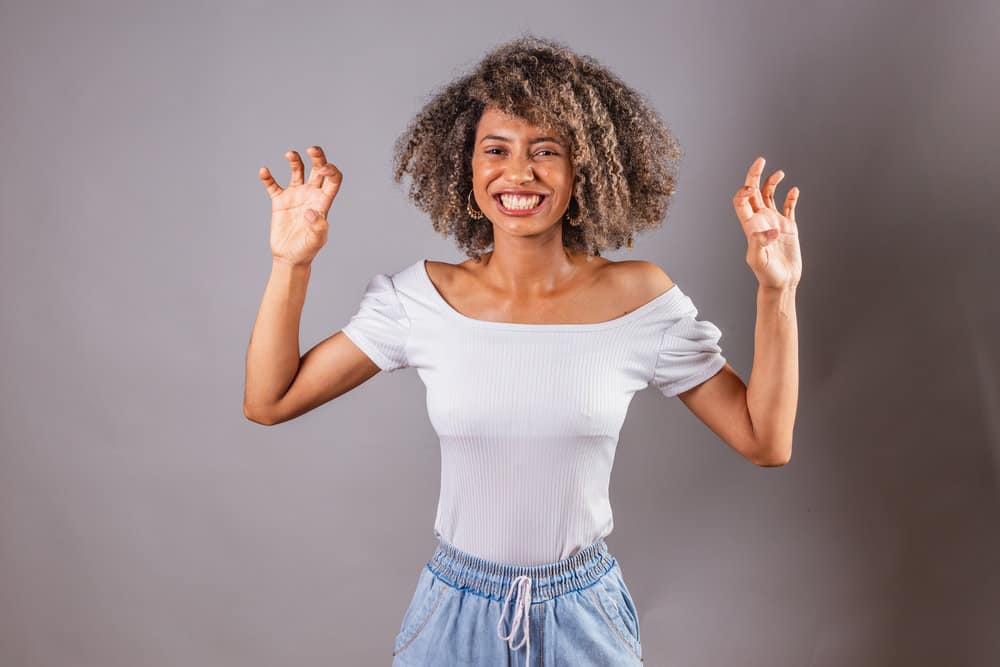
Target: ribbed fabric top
[528, 415]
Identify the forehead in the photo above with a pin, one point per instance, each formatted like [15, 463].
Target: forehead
[495, 121]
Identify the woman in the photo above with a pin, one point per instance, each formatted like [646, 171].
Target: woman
[531, 350]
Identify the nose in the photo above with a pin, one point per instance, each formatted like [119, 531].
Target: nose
[520, 170]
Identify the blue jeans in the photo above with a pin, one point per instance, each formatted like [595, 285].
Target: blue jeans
[467, 610]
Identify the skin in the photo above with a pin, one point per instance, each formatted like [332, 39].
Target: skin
[530, 277]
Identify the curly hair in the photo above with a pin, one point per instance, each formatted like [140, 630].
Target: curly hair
[624, 156]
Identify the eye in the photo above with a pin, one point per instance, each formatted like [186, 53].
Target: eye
[546, 150]
[489, 151]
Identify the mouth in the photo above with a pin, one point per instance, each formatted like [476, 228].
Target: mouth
[520, 205]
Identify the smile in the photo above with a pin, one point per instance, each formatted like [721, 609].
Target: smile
[520, 205]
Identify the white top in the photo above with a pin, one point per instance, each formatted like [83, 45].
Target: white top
[529, 415]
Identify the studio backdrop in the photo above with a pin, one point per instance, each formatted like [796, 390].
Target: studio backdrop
[144, 520]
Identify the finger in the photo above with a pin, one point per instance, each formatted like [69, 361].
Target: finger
[743, 203]
[332, 179]
[769, 186]
[790, 199]
[295, 161]
[318, 160]
[753, 180]
[753, 174]
[273, 189]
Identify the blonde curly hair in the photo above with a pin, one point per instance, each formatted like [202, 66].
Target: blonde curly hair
[625, 158]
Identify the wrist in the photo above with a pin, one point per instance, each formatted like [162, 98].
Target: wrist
[779, 289]
[285, 264]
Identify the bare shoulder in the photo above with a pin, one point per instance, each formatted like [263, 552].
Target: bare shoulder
[443, 274]
[637, 276]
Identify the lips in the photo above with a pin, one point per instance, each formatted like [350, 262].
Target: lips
[521, 212]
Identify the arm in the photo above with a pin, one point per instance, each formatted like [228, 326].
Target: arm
[279, 385]
[758, 420]
[773, 392]
[273, 353]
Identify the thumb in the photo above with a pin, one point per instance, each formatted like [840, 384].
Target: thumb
[315, 221]
[765, 237]
[314, 217]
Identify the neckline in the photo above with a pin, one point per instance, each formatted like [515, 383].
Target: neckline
[538, 326]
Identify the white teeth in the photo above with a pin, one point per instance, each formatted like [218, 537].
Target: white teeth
[515, 202]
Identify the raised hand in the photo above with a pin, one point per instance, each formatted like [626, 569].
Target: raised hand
[298, 213]
[772, 236]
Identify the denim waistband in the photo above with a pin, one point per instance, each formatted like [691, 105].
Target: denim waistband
[494, 580]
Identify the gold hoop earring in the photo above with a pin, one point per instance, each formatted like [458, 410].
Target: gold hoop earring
[571, 221]
[473, 213]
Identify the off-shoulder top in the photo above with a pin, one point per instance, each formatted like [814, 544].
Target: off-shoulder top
[529, 415]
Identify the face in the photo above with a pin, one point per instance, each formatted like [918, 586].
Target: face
[510, 154]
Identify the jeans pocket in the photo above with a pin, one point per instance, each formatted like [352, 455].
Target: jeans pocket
[617, 613]
[629, 612]
[424, 604]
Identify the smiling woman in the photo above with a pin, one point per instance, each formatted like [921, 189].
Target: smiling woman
[549, 158]
[531, 350]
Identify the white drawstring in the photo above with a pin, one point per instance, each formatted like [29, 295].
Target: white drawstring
[522, 605]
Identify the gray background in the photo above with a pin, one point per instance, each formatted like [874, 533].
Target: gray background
[144, 521]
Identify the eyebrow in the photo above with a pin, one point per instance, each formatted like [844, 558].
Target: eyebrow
[536, 140]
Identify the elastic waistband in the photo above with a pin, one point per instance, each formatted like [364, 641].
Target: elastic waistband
[493, 580]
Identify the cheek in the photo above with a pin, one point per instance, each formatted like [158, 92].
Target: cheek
[562, 183]
[483, 171]
[557, 175]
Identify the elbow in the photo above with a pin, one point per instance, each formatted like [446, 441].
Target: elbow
[258, 416]
[773, 463]
[773, 456]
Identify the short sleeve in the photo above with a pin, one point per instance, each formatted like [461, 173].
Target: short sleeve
[380, 327]
[689, 351]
